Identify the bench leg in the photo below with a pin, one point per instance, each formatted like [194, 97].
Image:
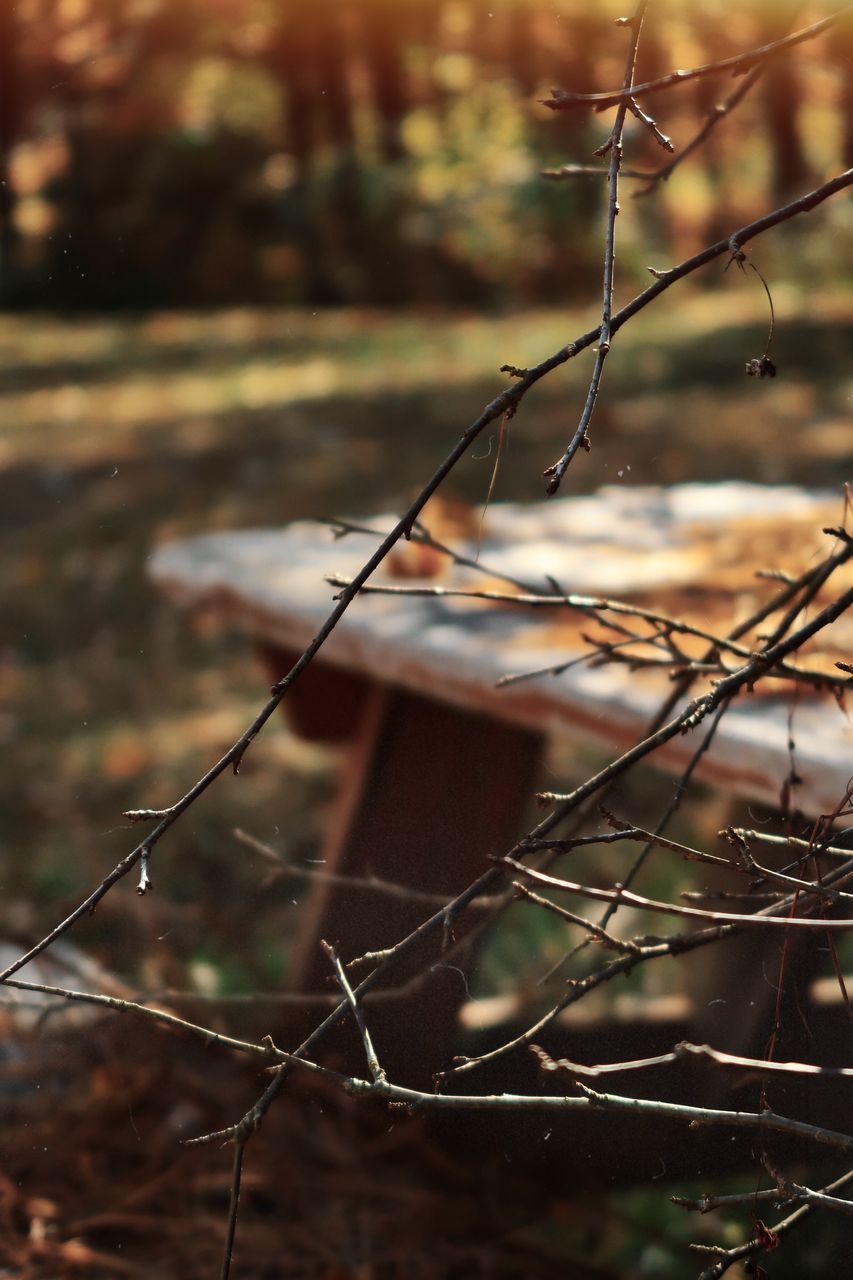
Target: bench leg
[428, 792]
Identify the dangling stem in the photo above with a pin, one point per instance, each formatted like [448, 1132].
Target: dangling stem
[491, 489]
[772, 312]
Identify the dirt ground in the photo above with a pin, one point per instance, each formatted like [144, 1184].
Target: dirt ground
[117, 435]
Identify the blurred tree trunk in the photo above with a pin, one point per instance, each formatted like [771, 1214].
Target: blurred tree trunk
[341, 218]
[843, 57]
[782, 100]
[334, 51]
[10, 118]
[294, 57]
[522, 55]
[384, 24]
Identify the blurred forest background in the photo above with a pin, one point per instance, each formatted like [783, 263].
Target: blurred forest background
[260, 261]
[367, 151]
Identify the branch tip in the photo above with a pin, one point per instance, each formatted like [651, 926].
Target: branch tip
[144, 884]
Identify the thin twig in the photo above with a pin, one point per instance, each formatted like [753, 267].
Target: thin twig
[418, 1100]
[667, 625]
[697, 710]
[564, 100]
[726, 895]
[572, 802]
[594, 930]
[803, 847]
[360, 884]
[759, 1243]
[720, 111]
[672, 808]
[629, 899]
[698, 1051]
[421, 535]
[233, 1208]
[582, 987]
[580, 439]
[717, 113]
[643, 116]
[582, 794]
[786, 1192]
[748, 867]
[357, 1012]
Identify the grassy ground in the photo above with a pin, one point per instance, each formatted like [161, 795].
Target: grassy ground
[118, 434]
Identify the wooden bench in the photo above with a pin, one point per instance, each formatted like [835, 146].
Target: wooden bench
[442, 760]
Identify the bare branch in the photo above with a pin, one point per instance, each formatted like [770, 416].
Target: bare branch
[660, 138]
[580, 439]
[696, 711]
[698, 1051]
[667, 626]
[728, 1257]
[233, 1208]
[360, 884]
[717, 113]
[627, 898]
[785, 1193]
[564, 100]
[803, 848]
[369, 1051]
[578, 989]
[381, 1088]
[760, 1065]
[597, 934]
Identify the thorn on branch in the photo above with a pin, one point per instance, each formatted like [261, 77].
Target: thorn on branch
[513, 371]
[144, 884]
[238, 758]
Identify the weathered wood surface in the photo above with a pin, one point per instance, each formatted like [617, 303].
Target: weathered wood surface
[690, 550]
